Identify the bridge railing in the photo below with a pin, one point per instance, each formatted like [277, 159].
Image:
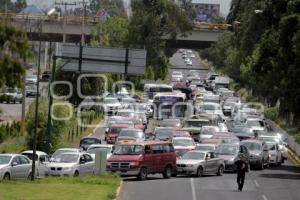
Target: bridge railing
[51, 18]
[210, 26]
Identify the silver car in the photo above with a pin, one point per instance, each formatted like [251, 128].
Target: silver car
[199, 163]
[259, 153]
[72, 164]
[14, 166]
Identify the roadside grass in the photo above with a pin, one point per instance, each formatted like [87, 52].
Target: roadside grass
[13, 145]
[79, 188]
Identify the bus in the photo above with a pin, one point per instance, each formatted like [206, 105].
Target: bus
[164, 104]
[152, 89]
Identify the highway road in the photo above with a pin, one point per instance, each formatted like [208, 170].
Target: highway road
[274, 183]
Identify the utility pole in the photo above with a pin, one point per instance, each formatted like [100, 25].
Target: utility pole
[84, 4]
[66, 4]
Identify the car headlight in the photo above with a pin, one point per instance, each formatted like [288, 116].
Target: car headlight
[190, 165]
[67, 168]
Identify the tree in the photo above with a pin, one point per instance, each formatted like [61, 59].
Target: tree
[20, 5]
[6, 5]
[153, 20]
[114, 8]
[14, 50]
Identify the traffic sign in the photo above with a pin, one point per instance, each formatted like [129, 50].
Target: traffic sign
[104, 60]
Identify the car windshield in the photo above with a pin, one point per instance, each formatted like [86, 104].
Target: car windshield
[163, 133]
[252, 146]
[30, 156]
[194, 156]
[183, 142]
[132, 133]
[196, 123]
[61, 151]
[66, 158]
[110, 101]
[89, 141]
[209, 130]
[271, 146]
[4, 160]
[93, 150]
[209, 107]
[128, 150]
[205, 148]
[115, 130]
[227, 150]
[255, 123]
[269, 139]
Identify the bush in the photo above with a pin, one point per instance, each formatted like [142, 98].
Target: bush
[272, 113]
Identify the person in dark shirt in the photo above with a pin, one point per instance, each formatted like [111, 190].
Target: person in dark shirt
[241, 168]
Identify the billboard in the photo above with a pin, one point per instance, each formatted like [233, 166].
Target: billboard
[207, 12]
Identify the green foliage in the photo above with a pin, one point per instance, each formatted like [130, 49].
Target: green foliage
[114, 8]
[272, 113]
[20, 5]
[14, 48]
[10, 130]
[150, 74]
[262, 54]
[6, 5]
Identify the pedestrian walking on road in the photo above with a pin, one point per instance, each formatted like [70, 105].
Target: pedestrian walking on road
[241, 168]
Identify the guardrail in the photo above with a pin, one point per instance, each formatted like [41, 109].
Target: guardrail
[211, 26]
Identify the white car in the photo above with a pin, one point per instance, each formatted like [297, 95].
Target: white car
[32, 79]
[256, 124]
[212, 108]
[95, 147]
[206, 147]
[189, 51]
[187, 60]
[183, 145]
[275, 153]
[207, 132]
[111, 105]
[41, 162]
[72, 164]
[189, 63]
[63, 150]
[192, 56]
[14, 166]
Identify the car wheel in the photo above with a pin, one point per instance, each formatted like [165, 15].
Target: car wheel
[220, 170]
[143, 174]
[6, 177]
[76, 174]
[168, 172]
[199, 172]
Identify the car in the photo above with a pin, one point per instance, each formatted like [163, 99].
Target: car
[172, 122]
[189, 63]
[184, 56]
[256, 124]
[277, 138]
[126, 102]
[143, 158]
[129, 135]
[111, 105]
[180, 133]
[9, 95]
[189, 51]
[206, 147]
[15, 166]
[207, 132]
[46, 75]
[176, 76]
[42, 161]
[31, 79]
[259, 153]
[187, 60]
[98, 147]
[243, 132]
[112, 134]
[275, 153]
[63, 150]
[85, 142]
[163, 133]
[183, 145]
[230, 153]
[200, 163]
[72, 164]
[192, 56]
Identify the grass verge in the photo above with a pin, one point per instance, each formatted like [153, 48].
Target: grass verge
[82, 188]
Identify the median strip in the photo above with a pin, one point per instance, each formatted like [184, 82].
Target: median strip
[294, 157]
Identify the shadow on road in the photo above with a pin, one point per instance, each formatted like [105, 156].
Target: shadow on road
[289, 168]
[281, 176]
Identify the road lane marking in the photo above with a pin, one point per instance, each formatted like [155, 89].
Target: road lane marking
[264, 197]
[193, 189]
[256, 183]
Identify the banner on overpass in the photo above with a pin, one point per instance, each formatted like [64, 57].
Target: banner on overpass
[104, 60]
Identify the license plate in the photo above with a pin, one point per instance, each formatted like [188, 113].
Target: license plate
[179, 170]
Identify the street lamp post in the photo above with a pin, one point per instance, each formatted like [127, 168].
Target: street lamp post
[36, 104]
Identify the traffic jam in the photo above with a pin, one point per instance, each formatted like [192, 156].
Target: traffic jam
[191, 126]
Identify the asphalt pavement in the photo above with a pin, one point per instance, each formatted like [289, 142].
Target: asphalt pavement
[274, 183]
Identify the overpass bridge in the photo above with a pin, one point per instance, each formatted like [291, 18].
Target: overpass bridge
[71, 28]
